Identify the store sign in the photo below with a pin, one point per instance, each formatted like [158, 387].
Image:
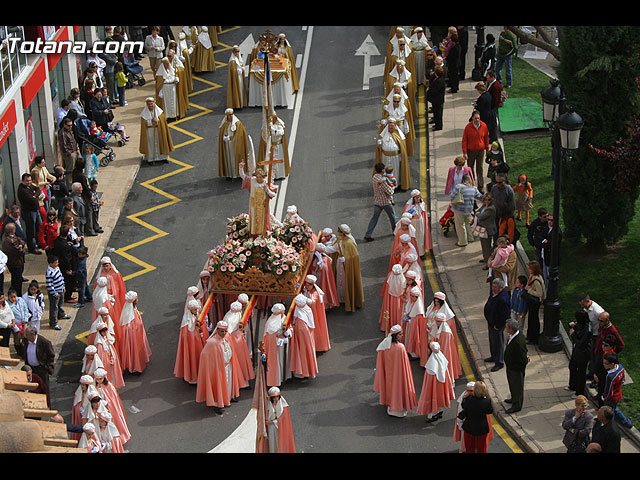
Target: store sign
[7, 122]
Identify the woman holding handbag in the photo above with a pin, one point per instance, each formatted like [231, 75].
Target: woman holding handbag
[486, 227]
[578, 423]
[534, 294]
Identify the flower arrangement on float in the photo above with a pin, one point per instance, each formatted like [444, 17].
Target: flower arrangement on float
[293, 232]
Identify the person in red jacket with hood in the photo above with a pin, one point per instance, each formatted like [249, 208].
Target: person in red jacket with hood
[48, 230]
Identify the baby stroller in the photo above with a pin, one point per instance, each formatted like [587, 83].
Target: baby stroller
[446, 221]
[133, 70]
[99, 143]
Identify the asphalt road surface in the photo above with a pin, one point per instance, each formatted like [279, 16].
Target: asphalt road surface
[333, 128]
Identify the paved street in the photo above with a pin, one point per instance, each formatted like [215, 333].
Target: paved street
[332, 130]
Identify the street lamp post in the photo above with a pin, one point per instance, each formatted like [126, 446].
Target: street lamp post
[565, 129]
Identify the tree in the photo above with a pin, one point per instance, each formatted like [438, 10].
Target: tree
[541, 40]
[598, 72]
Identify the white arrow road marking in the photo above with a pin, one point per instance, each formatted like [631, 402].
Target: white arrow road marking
[367, 49]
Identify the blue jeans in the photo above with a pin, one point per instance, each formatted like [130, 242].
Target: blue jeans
[377, 209]
[506, 61]
[617, 414]
[32, 222]
[496, 344]
[84, 292]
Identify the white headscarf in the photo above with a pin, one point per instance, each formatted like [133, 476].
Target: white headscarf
[444, 309]
[275, 320]
[303, 311]
[396, 281]
[233, 316]
[79, 394]
[312, 279]
[189, 318]
[437, 363]
[346, 229]
[128, 312]
[386, 343]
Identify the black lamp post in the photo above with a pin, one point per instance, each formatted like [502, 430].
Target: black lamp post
[566, 129]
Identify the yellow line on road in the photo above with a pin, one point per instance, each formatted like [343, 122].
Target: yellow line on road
[422, 132]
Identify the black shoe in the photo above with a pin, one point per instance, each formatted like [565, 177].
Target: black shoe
[234, 400]
[218, 410]
[439, 415]
[432, 419]
[368, 239]
[508, 400]
[436, 129]
[495, 368]
[512, 410]
[489, 359]
[91, 234]
[55, 327]
[24, 280]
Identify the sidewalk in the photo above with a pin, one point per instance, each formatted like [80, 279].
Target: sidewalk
[115, 181]
[461, 277]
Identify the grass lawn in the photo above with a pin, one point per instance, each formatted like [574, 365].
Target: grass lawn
[610, 279]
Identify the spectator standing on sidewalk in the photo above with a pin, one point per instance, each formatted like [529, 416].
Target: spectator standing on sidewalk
[435, 96]
[507, 49]
[34, 299]
[613, 387]
[475, 143]
[462, 213]
[515, 359]
[495, 90]
[605, 433]
[84, 291]
[29, 198]
[14, 248]
[580, 353]
[577, 423]
[497, 310]
[382, 198]
[593, 310]
[69, 150]
[56, 289]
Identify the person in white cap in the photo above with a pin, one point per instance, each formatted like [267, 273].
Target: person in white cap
[458, 433]
[479, 393]
[392, 299]
[420, 220]
[135, 345]
[115, 284]
[275, 337]
[413, 264]
[413, 317]
[396, 34]
[108, 434]
[400, 73]
[348, 275]
[419, 44]
[218, 378]
[278, 139]
[393, 378]
[401, 50]
[108, 353]
[326, 281]
[439, 305]
[167, 79]
[102, 298]
[233, 145]
[329, 239]
[437, 386]
[113, 403]
[236, 335]
[103, 317]
[193, 335]
[404, 248]
[192, 294]
[184, 52]
[391, 150]
[89, 439]
[404, 227]
[91, 361]
[285, 49]
[155, 137]
[203, 57]
[236, 80]
[321, 330]
[302, 353]
[278, 420]
[439, 331]
[80, 400]
[182, 87]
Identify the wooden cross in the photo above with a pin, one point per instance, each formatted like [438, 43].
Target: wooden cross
[270, 39]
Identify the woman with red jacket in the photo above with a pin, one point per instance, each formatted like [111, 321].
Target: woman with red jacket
[48, 230]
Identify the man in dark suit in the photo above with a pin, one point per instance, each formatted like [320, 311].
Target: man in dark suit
[435, 96]
[497, 310]
[605, 432]
[495, 90]
[516, 360]
[37, 352]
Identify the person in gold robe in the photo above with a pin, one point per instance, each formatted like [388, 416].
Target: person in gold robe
[391, 149]
[236, 83]
[260, 192]
[203, 59]
[401, 50]
[182, 86]
[284, 48]
[155, 138]
[401, 74]
[396, 34]
[233, 145]
[348, 276]
[167, 89]
[398, 110]
[274, 134]
[184, 52]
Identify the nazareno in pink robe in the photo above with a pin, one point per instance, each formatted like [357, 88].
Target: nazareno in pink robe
[110, 360]
[437, 385]
[190, 345]
[212, 380]
[135, 346]
[394, 380]
[302, 347]
[326, 280]
[321, 330]
[392, 299]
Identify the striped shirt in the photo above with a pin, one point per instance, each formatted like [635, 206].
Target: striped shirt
[382, 190]
[55, 281]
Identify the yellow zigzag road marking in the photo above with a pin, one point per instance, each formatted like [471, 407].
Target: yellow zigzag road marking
[422, 132]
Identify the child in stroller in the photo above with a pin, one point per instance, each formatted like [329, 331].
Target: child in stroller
[446, 221]
[133, 70]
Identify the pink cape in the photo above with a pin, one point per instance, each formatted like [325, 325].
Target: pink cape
[455, 356]
[396, 243]
[449, 348]
[415, 334]
[428, 244]
[435, 395]
[327, 283]
[241, 350]
[391, 311]
[394, 379]
[115, 286]
[111, 364]
[135, 346]
[274, 372]
[190, 345]
[321, 332]
[302, 350]
[114, 404]
[212, 379]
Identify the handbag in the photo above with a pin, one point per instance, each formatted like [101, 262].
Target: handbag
[531, 299]
[480, 231]
[459, 198]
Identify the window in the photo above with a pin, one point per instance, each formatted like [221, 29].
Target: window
[11, 61]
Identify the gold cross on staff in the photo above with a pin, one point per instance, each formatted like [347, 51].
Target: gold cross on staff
[269, 38]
